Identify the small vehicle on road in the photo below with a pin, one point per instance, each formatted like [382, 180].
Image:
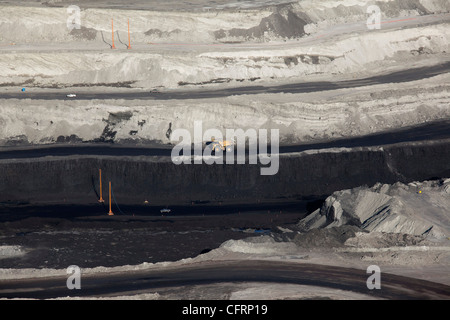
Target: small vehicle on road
[71, 95]
[220, 145]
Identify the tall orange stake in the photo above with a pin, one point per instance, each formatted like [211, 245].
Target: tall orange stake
[112, 29]
[101, 199]
[110, 213]
[129, 41]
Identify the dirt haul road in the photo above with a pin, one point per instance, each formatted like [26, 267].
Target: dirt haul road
[392, 286]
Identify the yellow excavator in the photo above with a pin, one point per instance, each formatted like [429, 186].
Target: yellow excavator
[221, 145]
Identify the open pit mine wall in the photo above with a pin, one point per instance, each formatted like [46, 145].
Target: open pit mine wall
[134, 180]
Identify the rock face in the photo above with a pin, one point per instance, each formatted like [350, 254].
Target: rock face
[416, 209]
[158, 180]
[71, 67]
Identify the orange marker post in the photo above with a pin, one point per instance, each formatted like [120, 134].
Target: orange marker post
[112, 31]
[110, 213]
[129, 41]
[101, 199]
